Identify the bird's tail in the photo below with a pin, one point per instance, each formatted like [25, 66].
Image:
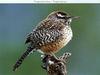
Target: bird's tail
[21, 59]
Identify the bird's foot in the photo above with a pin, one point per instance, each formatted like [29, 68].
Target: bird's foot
[48, 59]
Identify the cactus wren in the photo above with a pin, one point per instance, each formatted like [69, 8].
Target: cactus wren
[49, 36]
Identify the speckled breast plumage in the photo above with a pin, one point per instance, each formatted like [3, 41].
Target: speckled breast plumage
[55, 46]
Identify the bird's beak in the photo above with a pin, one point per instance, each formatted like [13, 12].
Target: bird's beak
[73, 17]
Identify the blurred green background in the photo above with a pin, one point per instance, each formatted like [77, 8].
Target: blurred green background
[16, 20]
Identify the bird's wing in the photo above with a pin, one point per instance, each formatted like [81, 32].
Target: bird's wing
[43, 37]
[45, 32]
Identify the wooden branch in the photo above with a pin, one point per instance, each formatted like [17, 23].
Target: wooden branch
[55, 66]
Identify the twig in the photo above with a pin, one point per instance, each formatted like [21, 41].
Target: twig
[55, 66]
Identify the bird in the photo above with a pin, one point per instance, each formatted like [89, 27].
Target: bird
[49, 36]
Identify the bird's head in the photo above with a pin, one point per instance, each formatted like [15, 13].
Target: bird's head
[61, 16]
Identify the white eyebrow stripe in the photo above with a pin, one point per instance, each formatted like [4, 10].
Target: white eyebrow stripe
[60, 15]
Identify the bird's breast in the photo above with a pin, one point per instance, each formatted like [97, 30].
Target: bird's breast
[54, 47]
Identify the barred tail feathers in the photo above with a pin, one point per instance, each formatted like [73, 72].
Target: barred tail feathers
[21, 59]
